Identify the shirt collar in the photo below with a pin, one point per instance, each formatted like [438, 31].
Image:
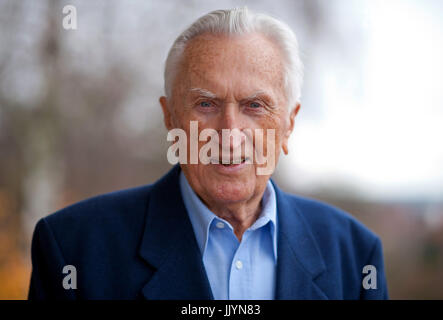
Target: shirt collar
[202, 218]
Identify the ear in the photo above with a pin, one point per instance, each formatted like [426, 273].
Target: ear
[290, 128]
[167, 117]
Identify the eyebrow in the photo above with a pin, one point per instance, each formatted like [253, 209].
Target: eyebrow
[204, 93]
[256, 95]
[209, 94]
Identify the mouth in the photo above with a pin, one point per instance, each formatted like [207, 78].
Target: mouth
[231, 167]
[232, 163]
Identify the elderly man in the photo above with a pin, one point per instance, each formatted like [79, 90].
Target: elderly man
[223, 229]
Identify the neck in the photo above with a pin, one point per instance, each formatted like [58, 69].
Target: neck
[241, 215]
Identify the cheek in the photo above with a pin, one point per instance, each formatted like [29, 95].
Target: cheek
[278, 125]
[189, 114]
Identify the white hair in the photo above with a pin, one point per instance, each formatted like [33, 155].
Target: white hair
[242, 21]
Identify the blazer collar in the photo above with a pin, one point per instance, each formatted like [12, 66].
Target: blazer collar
[169, 245]
[299, 263]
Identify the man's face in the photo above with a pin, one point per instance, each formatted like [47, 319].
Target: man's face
[230, 83]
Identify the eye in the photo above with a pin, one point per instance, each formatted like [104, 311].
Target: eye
[205, 104]
[254, 105]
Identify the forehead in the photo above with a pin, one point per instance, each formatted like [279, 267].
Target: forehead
[241, 63]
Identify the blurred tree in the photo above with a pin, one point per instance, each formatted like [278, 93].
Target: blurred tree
[77, 118]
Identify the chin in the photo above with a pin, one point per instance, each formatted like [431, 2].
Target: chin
[228, 191]
[223, 185]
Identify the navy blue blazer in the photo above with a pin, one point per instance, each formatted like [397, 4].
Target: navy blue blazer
[139, 243]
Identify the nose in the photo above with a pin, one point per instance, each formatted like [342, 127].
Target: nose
[231, 119]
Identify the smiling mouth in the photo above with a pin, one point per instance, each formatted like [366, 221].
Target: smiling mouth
[232, 163]
[243, 160]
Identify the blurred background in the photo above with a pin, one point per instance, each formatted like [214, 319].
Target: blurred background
[79, 116]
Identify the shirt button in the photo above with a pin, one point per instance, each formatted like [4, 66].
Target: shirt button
[238, 264]
[220, 225]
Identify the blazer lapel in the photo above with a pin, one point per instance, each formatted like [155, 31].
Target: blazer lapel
[299, 262]
[169, 245]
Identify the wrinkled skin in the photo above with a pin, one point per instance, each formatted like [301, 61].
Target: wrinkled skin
[245, 75]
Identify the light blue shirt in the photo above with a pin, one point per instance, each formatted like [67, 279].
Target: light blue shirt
[236, 270]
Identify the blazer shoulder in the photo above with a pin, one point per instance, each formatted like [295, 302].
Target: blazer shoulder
[112, 206]
[345, 245]
[327, 220]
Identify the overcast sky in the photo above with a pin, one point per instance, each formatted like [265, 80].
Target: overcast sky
[379, 128]
[372, 104]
